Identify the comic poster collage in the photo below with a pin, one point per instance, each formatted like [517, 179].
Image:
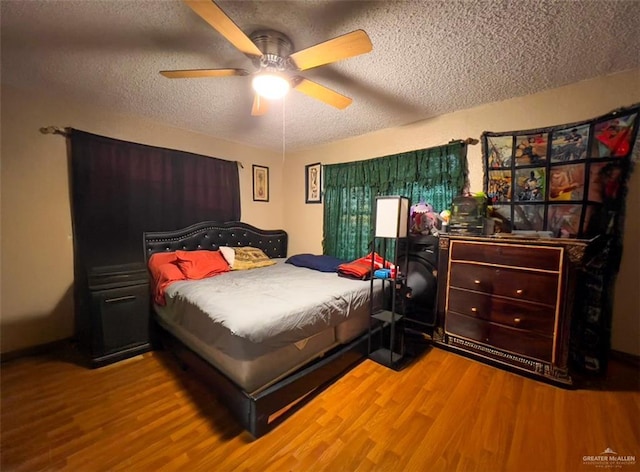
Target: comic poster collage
[554, 179]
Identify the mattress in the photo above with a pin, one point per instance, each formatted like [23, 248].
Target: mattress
[257, 373]
[258, 325]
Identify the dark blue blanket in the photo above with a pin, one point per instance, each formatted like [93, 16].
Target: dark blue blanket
[315, 262]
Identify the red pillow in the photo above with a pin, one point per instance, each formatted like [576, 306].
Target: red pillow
[165, 275]
[160, 258]
[164, 271]
[198, 265]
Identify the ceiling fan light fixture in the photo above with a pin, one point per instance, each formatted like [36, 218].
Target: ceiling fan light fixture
[270, 85]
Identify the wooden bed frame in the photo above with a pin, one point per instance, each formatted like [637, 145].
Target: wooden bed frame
[261, 412]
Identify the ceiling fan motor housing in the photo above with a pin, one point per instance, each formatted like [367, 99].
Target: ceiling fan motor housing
[276, 48]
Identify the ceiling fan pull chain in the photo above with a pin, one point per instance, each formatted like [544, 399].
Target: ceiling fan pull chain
[284, 101]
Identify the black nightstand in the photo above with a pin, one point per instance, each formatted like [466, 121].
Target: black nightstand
[115, 322]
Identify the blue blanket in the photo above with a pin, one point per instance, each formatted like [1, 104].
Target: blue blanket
[315, 262]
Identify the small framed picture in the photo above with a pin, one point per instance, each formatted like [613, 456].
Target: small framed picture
[566, 182]
[313, 183]
[530, 185]
[499, 150]
[570, 144]
[499, 186]
[260, 183]
[531, 149]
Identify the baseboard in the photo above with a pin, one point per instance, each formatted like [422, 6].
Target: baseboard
[33, 350]
[625, 358]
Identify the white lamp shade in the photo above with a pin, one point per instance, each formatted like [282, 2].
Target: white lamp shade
[271, 86]
[392, 214]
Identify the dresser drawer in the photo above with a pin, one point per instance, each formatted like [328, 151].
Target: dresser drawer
[522, 315]
[534, 257]
[539, 287]
[526, 343]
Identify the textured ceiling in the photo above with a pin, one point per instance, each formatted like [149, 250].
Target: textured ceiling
[429, 57]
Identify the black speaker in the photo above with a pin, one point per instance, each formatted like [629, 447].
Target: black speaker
[421, 278]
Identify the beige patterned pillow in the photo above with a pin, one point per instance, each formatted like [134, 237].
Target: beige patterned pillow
[250, 258]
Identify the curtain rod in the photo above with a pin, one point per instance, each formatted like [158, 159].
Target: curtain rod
[66, 132]
[471, 141]
[55, 130]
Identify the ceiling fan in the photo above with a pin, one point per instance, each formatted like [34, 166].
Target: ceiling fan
[277, 65]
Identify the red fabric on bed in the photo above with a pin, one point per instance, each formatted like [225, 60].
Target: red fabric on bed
[358, 269]
[164, 271]
[196, 265]
[361, 268]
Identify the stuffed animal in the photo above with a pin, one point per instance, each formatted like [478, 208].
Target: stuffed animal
[424, 219]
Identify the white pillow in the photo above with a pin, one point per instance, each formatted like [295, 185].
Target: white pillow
[229, 254]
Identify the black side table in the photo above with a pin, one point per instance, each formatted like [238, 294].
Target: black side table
[116, 318]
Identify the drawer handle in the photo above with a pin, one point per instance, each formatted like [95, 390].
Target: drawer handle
[519, 291]
[474, 309]
[517, 320]
[120, 299]
[476, 282]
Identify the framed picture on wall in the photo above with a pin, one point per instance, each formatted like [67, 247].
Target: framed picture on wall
[260, 183]
[313, 183]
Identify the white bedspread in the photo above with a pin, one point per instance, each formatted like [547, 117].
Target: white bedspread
[277, 305]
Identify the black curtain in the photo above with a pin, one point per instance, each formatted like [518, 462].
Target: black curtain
[120, 189]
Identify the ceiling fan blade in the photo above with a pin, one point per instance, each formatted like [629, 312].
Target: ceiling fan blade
[322, 93]
[213, 14]
[260, 105]
[198, 73]
[345, 46]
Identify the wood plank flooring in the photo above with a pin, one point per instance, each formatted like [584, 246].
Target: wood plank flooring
[443, 413]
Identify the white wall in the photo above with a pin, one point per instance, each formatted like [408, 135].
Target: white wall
[36, 247]
[576, 102]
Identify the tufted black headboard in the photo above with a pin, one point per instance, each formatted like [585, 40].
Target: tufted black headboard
[210, 235]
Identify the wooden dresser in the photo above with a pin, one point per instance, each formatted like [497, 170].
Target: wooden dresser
[509, 300]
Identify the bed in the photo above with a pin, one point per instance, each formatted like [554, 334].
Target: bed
[265, 339]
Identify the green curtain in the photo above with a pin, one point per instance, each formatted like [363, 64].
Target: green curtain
[434, 175]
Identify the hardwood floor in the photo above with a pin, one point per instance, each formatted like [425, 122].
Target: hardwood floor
[443, 413]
